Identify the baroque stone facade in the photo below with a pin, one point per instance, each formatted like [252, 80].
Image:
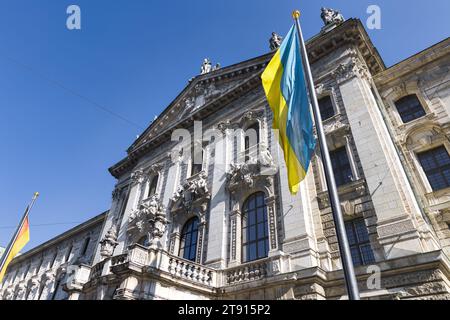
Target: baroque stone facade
[179, 230]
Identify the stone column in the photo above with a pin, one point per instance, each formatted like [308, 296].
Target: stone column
[235, 238]
[200, 241]
[272, 222]
[395, 206]
[130, 206]
[217, 233]
[118, 198]
[173, 179]
[174, 246]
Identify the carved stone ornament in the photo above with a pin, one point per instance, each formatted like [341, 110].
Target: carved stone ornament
[109, 242]
[335, 124]
[245, 175]
[194, 192]
[331, 16]
[252, 115]
[116, 194]
[351, 69]
[138, 176]
[148, 218]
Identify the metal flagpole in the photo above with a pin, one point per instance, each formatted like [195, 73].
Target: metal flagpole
[16, 234]
[344, 248]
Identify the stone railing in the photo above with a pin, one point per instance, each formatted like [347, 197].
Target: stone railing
[97, 270]
[161, 262]
[120, 259]
[247, 272]
[191, 271]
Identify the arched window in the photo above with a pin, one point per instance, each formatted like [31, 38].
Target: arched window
[409, 108]
[189, 236]
[251, 144]
[144, 241]
[255, 231]
[153, 186]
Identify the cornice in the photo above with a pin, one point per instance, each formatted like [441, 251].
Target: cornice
[413, 63]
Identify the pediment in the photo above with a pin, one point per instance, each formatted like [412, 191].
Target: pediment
[200, 92]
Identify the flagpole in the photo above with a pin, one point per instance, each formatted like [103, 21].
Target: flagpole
[16, 234]
[344, 248]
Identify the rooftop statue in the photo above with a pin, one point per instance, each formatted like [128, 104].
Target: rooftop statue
[275, 41]
[330, 16]
[206, 66]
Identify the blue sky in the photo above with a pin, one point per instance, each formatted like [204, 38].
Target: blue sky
[133, 57]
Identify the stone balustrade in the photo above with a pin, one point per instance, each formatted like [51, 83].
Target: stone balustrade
[120, 259]
[96, 270]
[247, 272]
[157, 260]
[191, 271]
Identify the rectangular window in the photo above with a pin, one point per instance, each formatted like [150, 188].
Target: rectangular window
[409, 108]
[358, 239]
[341, 166]
[436, 164]
[326, 108]
[197, 157]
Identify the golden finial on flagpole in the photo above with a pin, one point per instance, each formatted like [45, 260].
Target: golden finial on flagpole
[296, 14]
[36, 194]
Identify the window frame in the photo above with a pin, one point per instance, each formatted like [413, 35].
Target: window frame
[359, 243]
[191, 227]
[332, 103]
[338, 172]
[404, 117]
[425, 172]
[249, 223]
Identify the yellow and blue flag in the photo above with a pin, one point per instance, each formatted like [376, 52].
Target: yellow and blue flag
[286, 90]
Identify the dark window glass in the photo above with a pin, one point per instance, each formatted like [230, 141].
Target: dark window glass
[436, 164]
[85, 246]
[359, 242]
[341, 166]
[409, 108]
[326, 108]
[189, 235]
[153, 185]
[255, 235]
[251, 149]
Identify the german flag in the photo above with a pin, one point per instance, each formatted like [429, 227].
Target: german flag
[20, 239]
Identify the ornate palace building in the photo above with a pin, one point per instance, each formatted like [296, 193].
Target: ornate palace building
[228, 228]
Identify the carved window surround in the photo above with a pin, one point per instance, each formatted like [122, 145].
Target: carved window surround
[341, 137]
[352, 190]
[429, 140]
[397, 92]
[328, 91]
[190, 199]
[439, 200]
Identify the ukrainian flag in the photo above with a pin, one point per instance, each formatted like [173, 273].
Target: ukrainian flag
[285, 87]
